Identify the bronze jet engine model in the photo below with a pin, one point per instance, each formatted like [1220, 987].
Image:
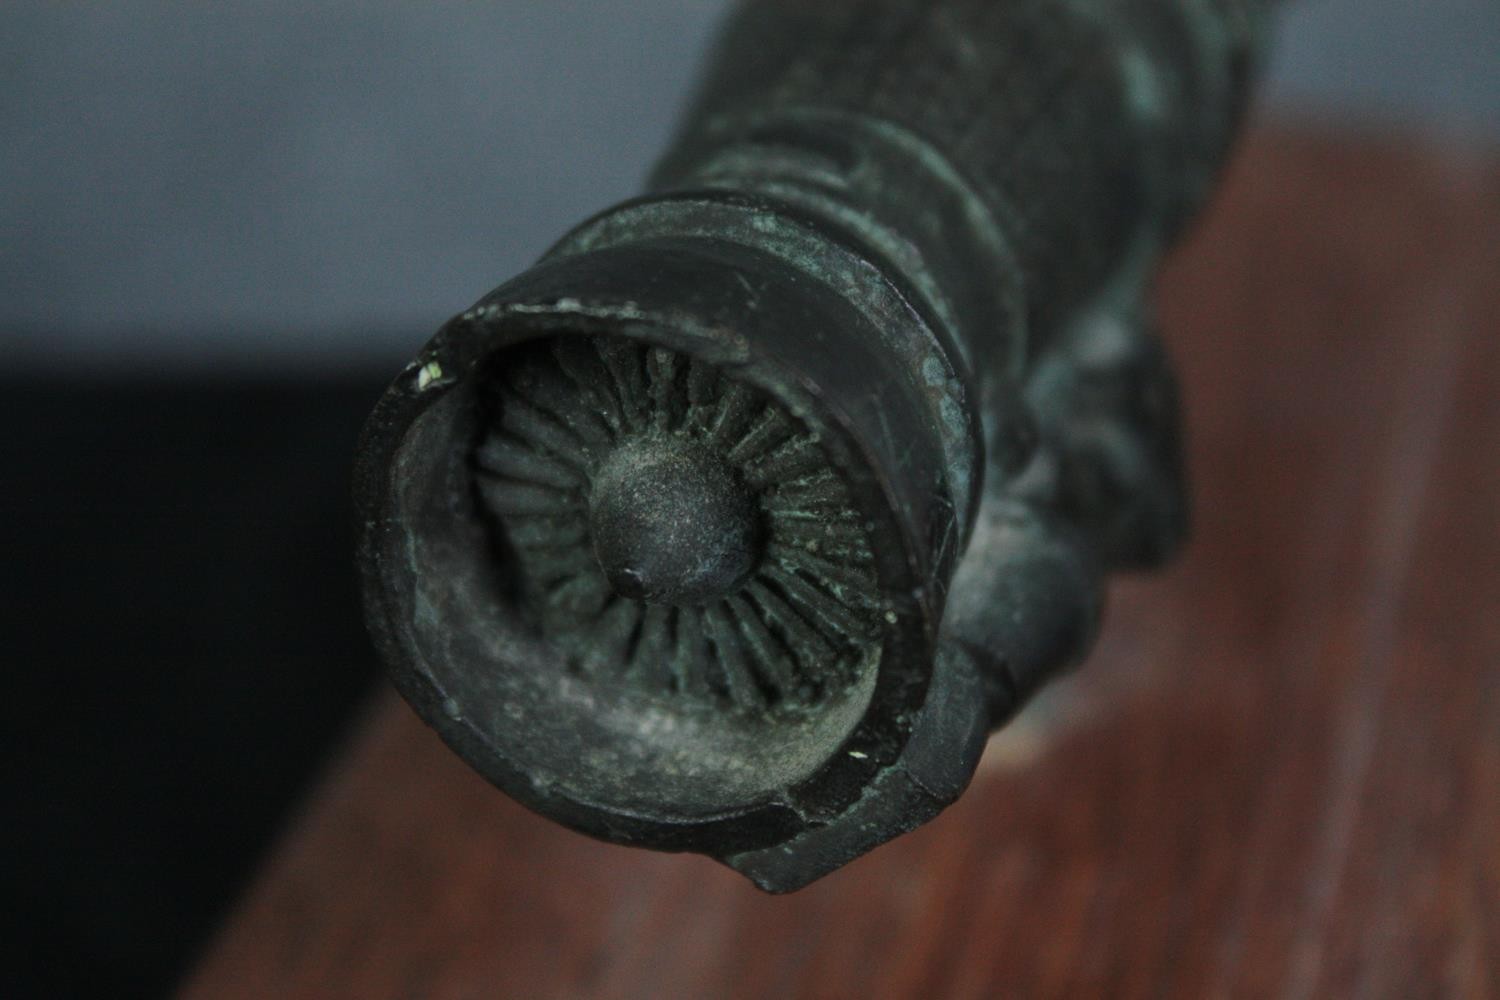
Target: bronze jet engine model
[736, 523]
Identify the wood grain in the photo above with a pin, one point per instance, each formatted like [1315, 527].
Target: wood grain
[1278, 776]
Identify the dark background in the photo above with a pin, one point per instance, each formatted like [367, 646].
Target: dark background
[223, 228]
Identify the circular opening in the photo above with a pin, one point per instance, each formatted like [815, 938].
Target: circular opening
[663, 598]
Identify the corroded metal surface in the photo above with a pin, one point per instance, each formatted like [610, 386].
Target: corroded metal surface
[734, 524]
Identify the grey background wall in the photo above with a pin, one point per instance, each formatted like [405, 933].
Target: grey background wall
[283, 183]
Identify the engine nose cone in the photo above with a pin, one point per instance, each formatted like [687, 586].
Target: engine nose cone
[671, 524]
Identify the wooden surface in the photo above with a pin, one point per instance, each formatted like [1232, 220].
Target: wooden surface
[1278, 776]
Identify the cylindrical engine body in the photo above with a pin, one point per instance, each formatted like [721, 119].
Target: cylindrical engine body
[659, 535]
